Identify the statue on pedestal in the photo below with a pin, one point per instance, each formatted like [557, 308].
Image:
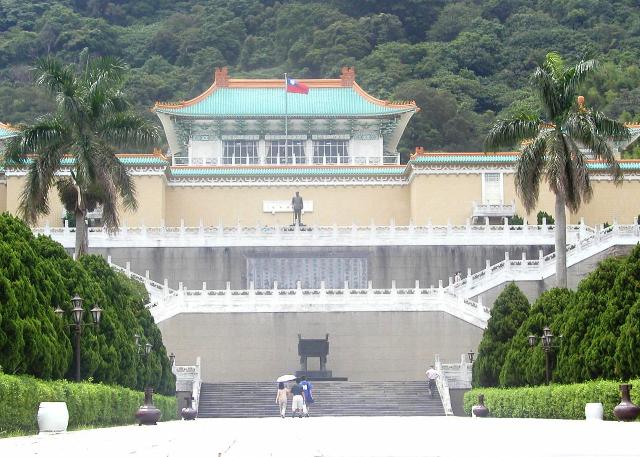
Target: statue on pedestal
[298, 205]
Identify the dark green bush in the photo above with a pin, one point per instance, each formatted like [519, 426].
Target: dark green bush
[509, 311]
[544, 215]
[89, 405]
[556, 401]
[36, 276]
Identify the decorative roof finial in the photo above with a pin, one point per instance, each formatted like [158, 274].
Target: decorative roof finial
[221, 77]
[348, 76]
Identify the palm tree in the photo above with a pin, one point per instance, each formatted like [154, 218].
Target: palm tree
[551, 145]
[91, 119]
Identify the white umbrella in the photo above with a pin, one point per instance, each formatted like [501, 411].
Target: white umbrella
[285, 378]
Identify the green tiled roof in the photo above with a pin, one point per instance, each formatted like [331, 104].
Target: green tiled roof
[6, 133]
[238, 102]
[454, 158]
[295, 171]
[127, 160]
[465, 158]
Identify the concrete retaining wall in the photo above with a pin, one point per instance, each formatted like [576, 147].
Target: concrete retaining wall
[388, 346]
[405, 264]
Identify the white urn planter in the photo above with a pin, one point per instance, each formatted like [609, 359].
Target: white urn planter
[594, 411]
[53, 417]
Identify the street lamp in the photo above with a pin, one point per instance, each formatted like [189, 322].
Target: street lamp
[470, 355]
[77, 313]
[147, 414]
[547, 340]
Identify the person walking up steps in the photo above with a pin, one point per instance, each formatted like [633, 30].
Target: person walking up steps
[432, 375]
[297, 403]
[281, 399]
[306, 393]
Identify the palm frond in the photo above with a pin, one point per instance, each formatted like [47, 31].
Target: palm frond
[127, 129]
[577, 183]
[509, 132]
[34, 199]
[529, 170]
[575, 76]
[594, 130]
[57, 78]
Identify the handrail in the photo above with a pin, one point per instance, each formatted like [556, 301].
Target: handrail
[257, 235]
[443, 388]
[592, 242]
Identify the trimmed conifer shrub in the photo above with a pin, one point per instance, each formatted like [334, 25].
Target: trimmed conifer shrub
[36, 276]
[525, 365]
[509, 310]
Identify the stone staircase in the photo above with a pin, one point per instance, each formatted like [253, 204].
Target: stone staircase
[333, 398]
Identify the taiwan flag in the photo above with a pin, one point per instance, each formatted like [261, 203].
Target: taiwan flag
[296, 86]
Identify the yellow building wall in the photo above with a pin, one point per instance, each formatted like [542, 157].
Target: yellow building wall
[444, 198]
[546, 199]
[437, 197]
[610, 202]
[342, 205]
[150, 193]
[14, 190]
[3, 197]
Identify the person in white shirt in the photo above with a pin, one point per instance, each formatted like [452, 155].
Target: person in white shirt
[432, 375]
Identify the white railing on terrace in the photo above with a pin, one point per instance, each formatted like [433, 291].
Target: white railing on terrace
[458, 375]
[349, 160]
[312, 235]
[494, 209]
[544, 266]
[443, 388]
[166, 303]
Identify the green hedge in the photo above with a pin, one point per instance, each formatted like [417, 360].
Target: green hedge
[558, 401]
[89, 405]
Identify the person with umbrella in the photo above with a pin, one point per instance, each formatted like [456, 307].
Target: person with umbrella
[283, 393]
[281, 399]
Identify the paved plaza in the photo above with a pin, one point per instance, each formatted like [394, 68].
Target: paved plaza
[341, 437]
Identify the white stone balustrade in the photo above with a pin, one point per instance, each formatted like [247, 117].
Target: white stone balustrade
[352, 235]
[166, 303]
[588, 242]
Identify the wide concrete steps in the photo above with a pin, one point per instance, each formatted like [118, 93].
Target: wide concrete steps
[332, 398]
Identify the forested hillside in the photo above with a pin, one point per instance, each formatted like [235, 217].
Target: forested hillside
[464, 62]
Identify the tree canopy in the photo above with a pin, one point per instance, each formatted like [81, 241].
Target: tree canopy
[468, 60]
[36, 276]
[597, 330]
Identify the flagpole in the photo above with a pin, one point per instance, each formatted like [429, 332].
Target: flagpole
[286, 114]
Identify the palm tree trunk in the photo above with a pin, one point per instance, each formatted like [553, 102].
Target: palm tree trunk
[561, 242]
[82, 238]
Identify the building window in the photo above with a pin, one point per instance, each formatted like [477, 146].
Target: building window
[330, 151]
[492, 188]
[285, 152]
[240, 152]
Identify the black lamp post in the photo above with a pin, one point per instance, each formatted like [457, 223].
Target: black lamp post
[547, 339]
[470, 355]
[147, 414]
[77, 313]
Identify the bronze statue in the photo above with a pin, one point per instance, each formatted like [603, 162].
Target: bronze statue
[297, 204]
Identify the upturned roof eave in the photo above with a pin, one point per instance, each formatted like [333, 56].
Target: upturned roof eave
[170, 112]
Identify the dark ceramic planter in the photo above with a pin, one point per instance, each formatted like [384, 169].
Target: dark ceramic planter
[148, 414]
[626, 411]
[189, 413]
[480, 410]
